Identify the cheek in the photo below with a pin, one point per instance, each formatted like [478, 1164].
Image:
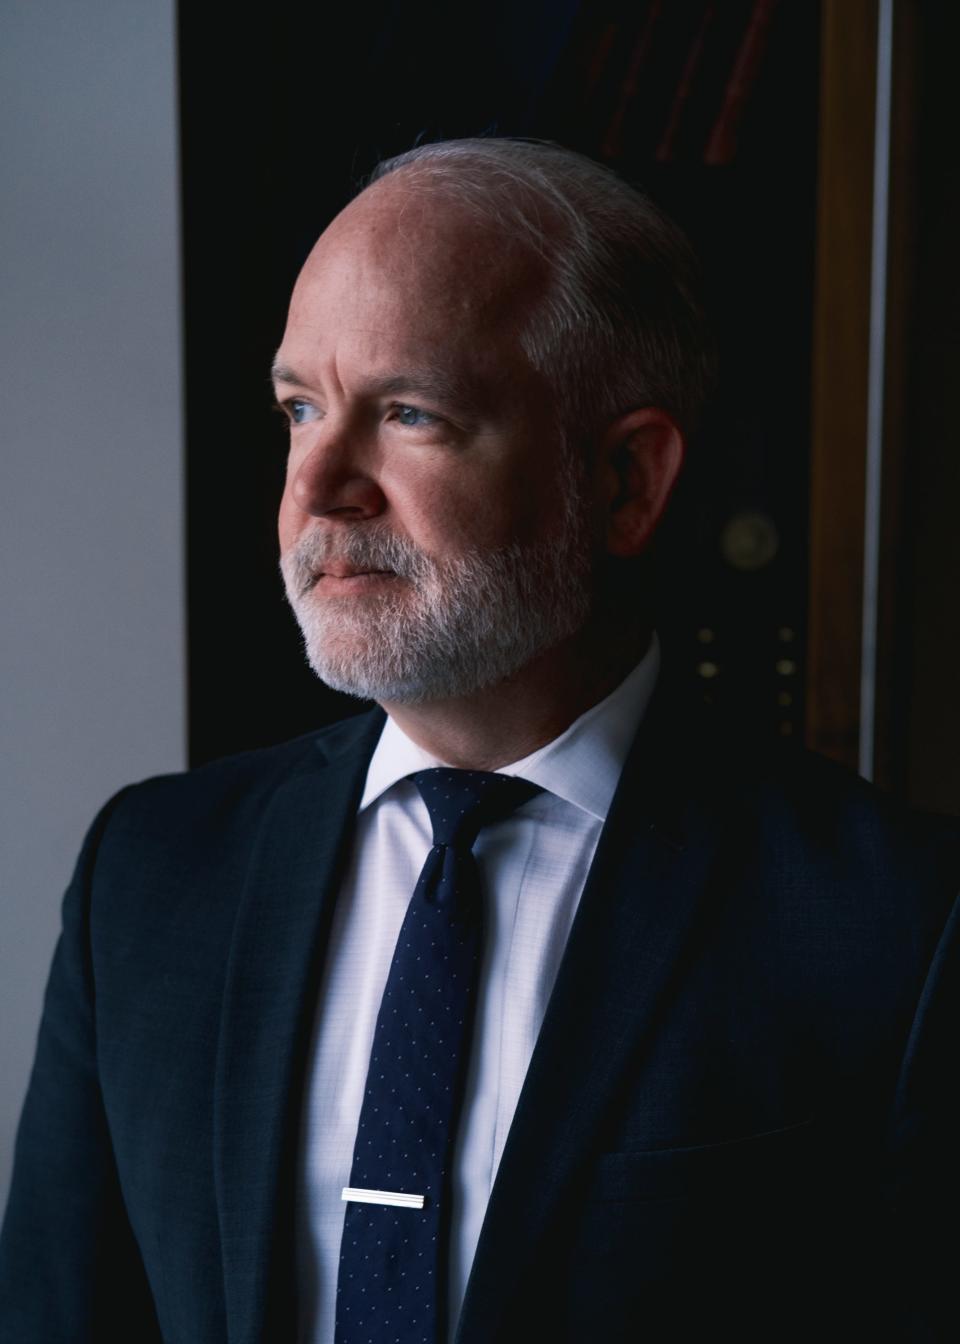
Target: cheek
[460, 512]
[475, 503]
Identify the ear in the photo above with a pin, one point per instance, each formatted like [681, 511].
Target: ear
[639, 461]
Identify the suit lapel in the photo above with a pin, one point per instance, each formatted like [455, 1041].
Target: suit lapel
[638, 907]
[269, 1001]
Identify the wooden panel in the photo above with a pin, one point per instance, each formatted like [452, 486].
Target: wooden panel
[839, 393]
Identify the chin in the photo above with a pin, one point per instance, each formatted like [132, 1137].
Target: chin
[412, 676]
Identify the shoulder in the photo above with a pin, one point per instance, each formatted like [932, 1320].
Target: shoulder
[226, 798]
[787, 787]
[832, 837]
[799, 791]
[167, 859]
[791, 823]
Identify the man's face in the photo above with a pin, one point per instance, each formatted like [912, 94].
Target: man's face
[434, 532]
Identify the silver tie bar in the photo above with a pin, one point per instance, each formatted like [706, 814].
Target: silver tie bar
[393, 1197]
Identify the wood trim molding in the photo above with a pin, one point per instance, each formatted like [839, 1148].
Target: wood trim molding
[840, 362]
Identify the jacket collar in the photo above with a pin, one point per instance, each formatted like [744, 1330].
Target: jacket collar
[270, 994]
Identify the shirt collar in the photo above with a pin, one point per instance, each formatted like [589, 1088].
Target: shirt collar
[582, 765]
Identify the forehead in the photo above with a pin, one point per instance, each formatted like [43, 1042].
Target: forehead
[407, 273]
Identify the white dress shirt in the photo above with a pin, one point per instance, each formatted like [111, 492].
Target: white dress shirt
[534, 865]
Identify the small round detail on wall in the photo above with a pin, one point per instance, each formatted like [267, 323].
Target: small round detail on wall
[749, 540]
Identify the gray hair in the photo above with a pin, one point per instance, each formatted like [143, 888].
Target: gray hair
[621, 325]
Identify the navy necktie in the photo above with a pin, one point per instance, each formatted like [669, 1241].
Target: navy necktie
[392, 1281]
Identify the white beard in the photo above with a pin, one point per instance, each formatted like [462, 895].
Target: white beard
[452, 626]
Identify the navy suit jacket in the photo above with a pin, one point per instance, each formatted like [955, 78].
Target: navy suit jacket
[739, 1116]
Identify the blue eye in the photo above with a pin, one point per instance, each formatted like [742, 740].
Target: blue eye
[413, 417]
[300, 412]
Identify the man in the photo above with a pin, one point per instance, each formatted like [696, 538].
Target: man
[688, 1074]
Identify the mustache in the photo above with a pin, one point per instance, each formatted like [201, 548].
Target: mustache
[309, 557]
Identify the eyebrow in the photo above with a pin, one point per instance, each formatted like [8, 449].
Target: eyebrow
[282, 373]
[432, 383]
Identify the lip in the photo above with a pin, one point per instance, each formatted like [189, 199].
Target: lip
[345, 572]
[354, 580]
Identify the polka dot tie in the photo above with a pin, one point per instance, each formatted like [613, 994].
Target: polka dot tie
[392, 1282]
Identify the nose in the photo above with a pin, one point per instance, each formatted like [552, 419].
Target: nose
[335, 477]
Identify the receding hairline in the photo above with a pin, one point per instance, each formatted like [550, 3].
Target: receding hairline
[439, 169]
[423, 185]
[481, 247]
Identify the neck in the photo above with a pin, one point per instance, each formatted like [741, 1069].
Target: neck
[503, 723]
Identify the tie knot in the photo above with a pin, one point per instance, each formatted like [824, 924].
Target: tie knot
[462, 802]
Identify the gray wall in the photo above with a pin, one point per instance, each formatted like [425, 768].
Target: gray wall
[91, 569]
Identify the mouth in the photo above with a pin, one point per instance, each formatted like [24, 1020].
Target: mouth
[345, 580]
[347, 572]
